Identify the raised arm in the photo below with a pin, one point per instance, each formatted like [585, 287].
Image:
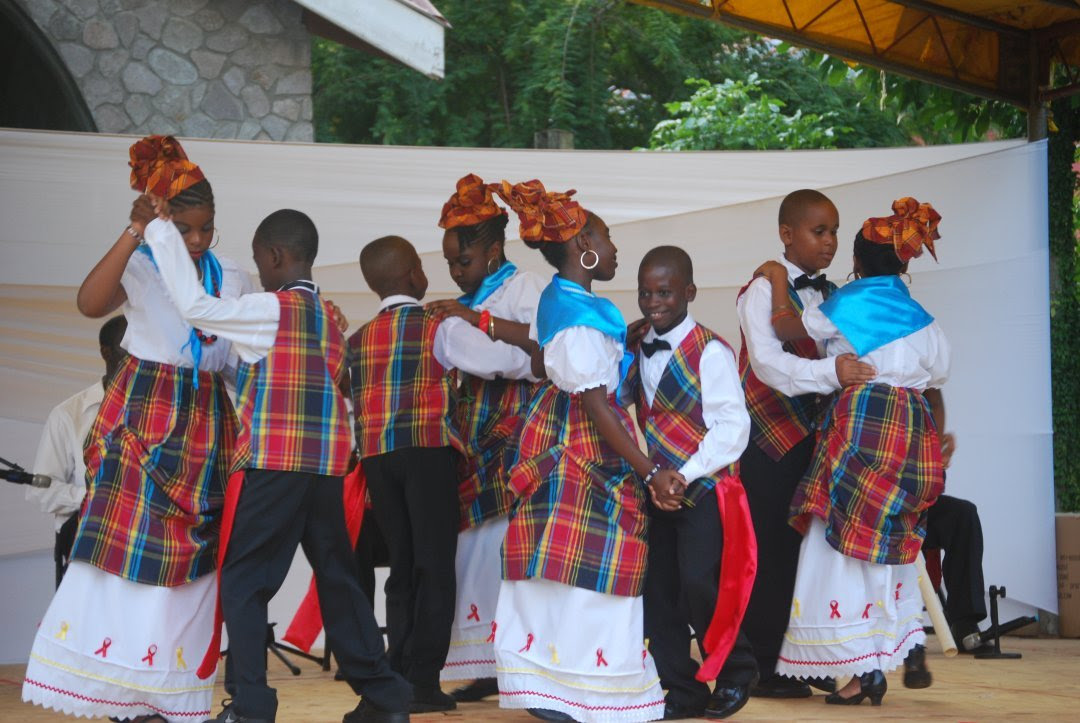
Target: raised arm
[101, 292]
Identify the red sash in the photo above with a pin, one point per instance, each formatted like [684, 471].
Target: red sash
[208, 666]
[738, 566]
[307, 622]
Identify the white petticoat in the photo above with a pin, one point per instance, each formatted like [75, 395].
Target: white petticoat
[576, 651]
[111, 647]
[479, 571]
[848, 616]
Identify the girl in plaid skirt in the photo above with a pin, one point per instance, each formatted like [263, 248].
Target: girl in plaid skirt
[877, 468]
[124, 632]
[568, 630]
[501, 300]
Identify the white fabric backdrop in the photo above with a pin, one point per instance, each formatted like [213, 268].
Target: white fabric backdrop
[64, 198]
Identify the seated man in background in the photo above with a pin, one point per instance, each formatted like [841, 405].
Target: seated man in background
[60, 451]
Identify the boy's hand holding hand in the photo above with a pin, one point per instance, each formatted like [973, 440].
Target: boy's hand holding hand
[948, 446]
[338, 316]
[666, 489]
[452, 307]
[849, 370]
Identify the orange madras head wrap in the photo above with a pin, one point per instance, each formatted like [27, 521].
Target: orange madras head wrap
[470, 205]
[912, 226]
[544, 215]
[160, 166]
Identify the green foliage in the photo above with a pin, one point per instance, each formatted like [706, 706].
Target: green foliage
[1065, 301]
[738, 114]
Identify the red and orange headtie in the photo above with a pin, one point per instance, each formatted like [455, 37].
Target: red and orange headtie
[912, 226]
[544, 215]
[470, 205]
[160, 166]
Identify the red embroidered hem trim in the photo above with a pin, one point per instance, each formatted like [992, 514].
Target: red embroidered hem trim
[852, 660]
[78, 696]
[582, 705]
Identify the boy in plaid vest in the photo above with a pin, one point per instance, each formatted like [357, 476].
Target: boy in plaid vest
[291, 454]
[408, 445]
[781, 382]
[690, 404]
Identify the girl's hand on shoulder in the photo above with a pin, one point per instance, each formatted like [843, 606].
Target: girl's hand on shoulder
[635, 332]
[452, 307]
[771, 270]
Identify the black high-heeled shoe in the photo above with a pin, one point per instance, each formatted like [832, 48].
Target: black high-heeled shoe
[873, 686]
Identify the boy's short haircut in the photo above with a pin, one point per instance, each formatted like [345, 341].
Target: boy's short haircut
[672, 257]
[112, 332]
[795, 203]
[291, 230]
[385, 260]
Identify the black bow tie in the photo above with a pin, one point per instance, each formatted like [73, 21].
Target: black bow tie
[648, 348]
[819, 283]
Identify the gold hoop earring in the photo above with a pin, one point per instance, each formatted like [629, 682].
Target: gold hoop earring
[908, 277]
[489, 269]
[852, 275]
[596, 260]
[217, 238]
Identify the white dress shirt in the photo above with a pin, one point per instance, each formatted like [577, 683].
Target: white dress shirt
[460, 345]
[250, 321]
[918, 361]
[156, 331]
[723, 405]
[787, 373]
[60, 454]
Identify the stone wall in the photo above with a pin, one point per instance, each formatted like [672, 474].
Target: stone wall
[203, 68]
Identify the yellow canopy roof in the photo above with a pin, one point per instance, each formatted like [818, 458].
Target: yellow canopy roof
[992, 48]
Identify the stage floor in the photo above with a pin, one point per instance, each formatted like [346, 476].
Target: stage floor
[1043, 685]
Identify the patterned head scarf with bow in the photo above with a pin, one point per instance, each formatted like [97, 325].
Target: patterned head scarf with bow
[544, 215]
[912, 226]
[160, 166]
[470, 205]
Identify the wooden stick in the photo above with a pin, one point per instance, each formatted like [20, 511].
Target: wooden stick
[933, 607]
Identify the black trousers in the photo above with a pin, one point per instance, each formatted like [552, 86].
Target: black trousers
[65, 538]
[769, 487]
[685, 549]
[371, 552]
[276, 512]
[953, 527]
[414, 497]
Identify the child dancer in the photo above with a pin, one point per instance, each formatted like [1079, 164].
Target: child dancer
[690, 404]
[876, 470]
[123, 633]
[501, 299]
[782, 381]
[286, 488]
[408, 445]
[568, 631]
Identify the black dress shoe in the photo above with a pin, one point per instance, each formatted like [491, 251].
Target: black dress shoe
[678, 711]
[367, 713]
[825, 685]
[430, 700]
[916, 674]
[548, 714]
[229, 715]
[726, 702]
[780, 686]
[477, 690]
[873, 686]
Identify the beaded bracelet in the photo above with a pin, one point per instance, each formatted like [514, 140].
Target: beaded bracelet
[652, 473]
[133, 233]
[484, 321]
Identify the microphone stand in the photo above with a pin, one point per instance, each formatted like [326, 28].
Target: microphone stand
[996, 629]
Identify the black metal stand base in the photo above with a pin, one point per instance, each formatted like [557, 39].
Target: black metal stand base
[996, 629]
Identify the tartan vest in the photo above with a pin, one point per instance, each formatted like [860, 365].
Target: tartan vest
[402, 396]
[779, 422]
[293, 418]
[674, 425]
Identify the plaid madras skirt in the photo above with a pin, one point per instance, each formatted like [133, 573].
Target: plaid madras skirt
[157, 459]
[579, 517]
[489, 415]
[876, 471]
